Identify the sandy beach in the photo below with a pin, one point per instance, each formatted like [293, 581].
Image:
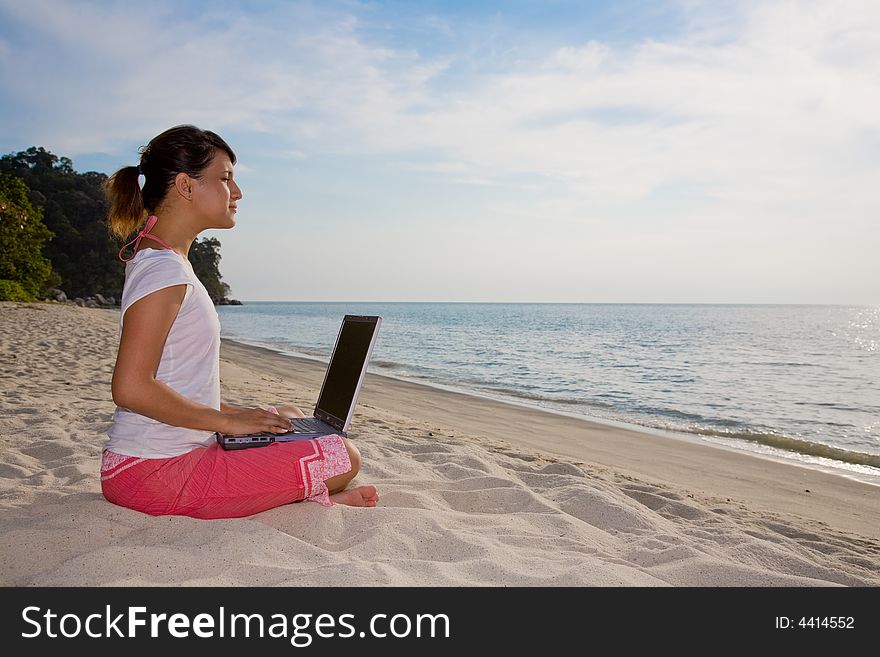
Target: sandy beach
[473, 491]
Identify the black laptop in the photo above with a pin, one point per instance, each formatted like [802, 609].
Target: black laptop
[339, 393]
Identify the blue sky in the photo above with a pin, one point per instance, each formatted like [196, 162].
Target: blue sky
[495, 151]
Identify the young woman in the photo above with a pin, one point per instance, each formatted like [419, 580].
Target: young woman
[162, 457]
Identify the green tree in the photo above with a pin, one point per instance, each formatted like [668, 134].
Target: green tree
[204, 255]
[74, 208]
[23, 268]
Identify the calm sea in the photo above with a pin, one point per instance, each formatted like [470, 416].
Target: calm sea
[792, 382]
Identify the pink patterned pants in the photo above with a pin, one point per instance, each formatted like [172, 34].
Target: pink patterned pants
[210, 482]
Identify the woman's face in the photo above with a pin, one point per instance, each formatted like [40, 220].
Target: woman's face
[216, 193]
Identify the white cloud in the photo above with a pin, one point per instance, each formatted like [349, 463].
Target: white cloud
[761, 111]
[800, 83]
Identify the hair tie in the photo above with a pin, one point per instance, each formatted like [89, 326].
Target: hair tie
[140, 170]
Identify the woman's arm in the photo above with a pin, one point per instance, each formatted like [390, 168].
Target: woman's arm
[286, 410]
[144, 330]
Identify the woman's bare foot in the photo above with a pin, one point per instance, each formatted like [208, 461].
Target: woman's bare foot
[360, 496]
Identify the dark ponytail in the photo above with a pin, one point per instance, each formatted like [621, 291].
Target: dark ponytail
[126, 202]
[182, 149]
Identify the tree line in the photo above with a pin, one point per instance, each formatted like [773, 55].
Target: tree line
[53, 233]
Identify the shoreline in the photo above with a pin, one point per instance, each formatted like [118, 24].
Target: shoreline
[681, 463]
[467, 497]
[860, 473]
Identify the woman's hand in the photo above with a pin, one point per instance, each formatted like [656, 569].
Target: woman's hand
[254, 420]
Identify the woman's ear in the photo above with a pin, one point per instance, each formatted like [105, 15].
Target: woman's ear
[184, 185]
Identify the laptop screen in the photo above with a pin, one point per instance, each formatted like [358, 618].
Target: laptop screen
[347, 367]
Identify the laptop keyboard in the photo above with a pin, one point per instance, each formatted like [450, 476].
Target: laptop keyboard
[306, 425]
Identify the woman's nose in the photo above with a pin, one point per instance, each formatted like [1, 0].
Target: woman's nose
[236, 191]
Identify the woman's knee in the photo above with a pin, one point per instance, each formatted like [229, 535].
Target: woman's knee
[289, 411]
[340, 481]
[354, 456]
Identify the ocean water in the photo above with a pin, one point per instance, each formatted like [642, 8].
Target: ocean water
[790, 382]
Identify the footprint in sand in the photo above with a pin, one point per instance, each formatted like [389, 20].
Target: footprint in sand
[48, 452]
[502, 500]
[668, 505]
[605, 510]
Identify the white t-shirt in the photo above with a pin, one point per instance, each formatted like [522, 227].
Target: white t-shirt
[190, 362]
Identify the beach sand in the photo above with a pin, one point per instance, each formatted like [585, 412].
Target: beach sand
[469, 495]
